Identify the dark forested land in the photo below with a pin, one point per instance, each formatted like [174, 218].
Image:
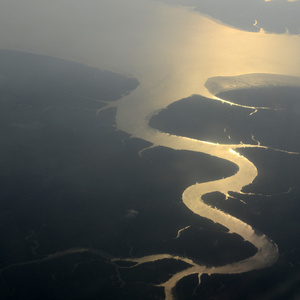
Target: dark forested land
[70, 181]
[214, 121]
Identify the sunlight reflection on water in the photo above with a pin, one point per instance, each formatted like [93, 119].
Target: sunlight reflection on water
[172, 51]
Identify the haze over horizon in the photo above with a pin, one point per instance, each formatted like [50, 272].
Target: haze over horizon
[149, 149]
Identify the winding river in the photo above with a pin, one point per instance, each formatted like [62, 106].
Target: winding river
[133, 114]
[172, 51]
[267, 250]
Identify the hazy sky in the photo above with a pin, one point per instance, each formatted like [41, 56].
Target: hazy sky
[76, 29]
[126, 35]
[277, 16]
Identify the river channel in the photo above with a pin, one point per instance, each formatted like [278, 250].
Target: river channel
[172, 51]
[185, 79]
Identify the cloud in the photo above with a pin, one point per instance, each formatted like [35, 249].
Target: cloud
[131, 213]
[273, 16]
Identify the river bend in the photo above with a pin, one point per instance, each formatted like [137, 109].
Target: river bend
[137, 126]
